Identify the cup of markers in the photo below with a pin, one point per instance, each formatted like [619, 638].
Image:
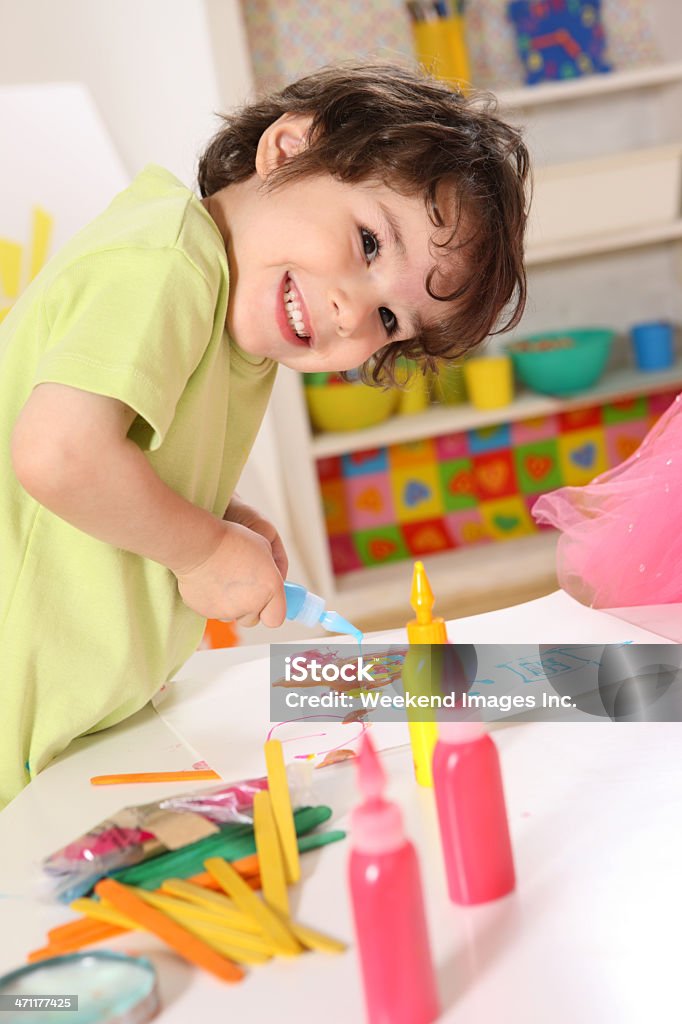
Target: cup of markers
[438, 31]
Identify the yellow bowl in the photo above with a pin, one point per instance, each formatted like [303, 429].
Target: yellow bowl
[349, 406]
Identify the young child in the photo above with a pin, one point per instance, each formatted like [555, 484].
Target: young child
[360, 214]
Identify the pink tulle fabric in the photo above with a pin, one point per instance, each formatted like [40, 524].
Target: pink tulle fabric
[621, 534]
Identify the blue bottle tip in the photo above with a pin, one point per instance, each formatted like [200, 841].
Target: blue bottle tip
[337, 624]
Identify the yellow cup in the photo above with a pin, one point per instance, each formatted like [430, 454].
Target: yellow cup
[440, 45]
[447, 384]
[414, 391]
[489, 381]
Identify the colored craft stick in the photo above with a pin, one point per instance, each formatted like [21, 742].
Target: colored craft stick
[232, 843]
[97, 910]
[189, 776]
[204, 916]
[248, 867]
[215, 901]
[76, 942]
[313, 939]
[10, 268]
[73, 929]
[41, 233]
[205, 881]
[248, 948]
[234, 885]
[211, 929]
[278, 787]
[222, 911]
[270, 854]
[313, 842]
[190, 947]
[215, 939]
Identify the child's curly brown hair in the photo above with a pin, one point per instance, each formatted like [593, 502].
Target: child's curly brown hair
[395, 125]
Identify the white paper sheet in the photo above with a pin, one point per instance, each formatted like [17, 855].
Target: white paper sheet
[219, 703]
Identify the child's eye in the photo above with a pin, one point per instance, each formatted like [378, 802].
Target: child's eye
[370, 244]
[389, 320]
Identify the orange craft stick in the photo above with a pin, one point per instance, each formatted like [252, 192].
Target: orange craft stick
[124, 898]
[254, 881]
[72, 930]
[76, 942]
[202, 775]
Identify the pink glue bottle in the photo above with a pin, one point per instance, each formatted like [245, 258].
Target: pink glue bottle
[472, 814]
[388, 906]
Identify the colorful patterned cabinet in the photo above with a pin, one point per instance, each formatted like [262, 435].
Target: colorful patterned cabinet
[472, 487]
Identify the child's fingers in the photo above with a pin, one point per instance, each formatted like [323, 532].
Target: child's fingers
[247, 621]
[274, 612]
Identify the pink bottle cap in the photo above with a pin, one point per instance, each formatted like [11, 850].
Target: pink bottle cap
[461, 732]
[377, 824]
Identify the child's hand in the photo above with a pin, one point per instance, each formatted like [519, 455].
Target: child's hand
[239, 581]
[246, 515]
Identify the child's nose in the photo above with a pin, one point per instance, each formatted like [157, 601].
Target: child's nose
[353, 310]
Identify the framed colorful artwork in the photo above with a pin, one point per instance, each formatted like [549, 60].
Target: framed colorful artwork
[559, 39]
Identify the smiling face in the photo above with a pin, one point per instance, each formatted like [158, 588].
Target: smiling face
[323, 273]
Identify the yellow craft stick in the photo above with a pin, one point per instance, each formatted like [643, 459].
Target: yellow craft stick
[309, 937]
[216, 901]
[126, 899]
[247, 900]
[313, 939]
[10, 268]
[236, 953]
[269, 854]
[98, 911]
[200, 918]
[40, 240]
[219, 938]
[278, 788]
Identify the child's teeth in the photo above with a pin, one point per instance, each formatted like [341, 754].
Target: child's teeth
[293, 309]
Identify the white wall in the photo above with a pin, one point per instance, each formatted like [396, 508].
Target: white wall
[149, 65]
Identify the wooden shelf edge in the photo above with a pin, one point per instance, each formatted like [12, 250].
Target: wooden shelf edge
[480, 576]
[619, 384]
[598, 245]
[591, 86]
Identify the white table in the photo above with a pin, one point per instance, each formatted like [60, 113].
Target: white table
[591, 934]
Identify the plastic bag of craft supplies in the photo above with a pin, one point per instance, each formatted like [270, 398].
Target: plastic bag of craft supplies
[217, 820]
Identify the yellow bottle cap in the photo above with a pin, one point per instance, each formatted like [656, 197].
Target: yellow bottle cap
[424, 629]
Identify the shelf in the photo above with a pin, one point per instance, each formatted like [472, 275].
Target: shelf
[590, 86]
[468, 575]
[450, 419]
[652, 234]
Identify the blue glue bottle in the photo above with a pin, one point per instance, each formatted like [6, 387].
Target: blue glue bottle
[311, 610]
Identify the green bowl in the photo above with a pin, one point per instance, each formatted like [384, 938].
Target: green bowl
[562, 362]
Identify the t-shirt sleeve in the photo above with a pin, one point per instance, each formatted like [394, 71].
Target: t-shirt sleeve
[131, 324]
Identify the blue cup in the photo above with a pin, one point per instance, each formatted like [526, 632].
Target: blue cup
[653, 345]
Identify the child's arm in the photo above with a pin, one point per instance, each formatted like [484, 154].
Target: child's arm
[71, 452]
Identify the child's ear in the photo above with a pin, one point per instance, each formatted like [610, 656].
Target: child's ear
[281, 140]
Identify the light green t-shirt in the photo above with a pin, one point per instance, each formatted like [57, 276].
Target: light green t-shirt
[134, 308]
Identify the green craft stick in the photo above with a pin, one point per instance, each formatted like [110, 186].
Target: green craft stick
[312, 842]
[231, 843]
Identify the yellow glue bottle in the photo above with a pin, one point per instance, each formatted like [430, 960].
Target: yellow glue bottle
[422, 671]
